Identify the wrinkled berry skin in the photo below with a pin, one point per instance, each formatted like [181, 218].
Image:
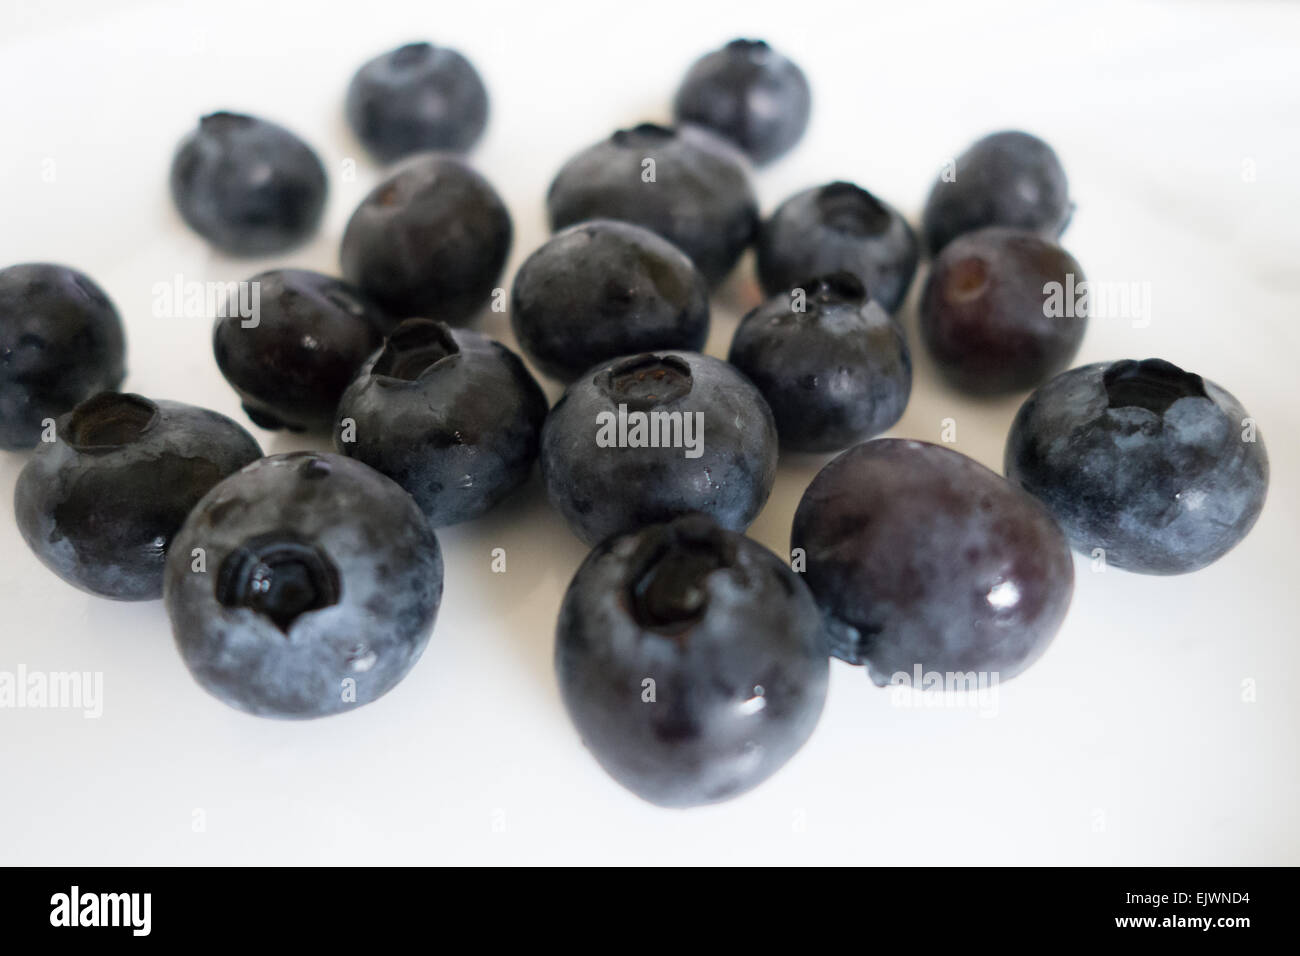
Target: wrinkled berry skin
[102, 504]
[450, 415]
[922, 557]
[603, 488]
[835, 373]
[430, 241]
[321, 584]
[601, 289]
[248, 186]
[61, 341]
[985, 313]
[838, 227]
[731, 639]
[1155, 466]
[700, 198]
[311, 335]
[749, 94]
[417, 98]
[1008, 179]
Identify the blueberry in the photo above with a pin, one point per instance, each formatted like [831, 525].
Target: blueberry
[247, 186]
[647, 438]
[839, 227]
[1005, 179]
[691, 660]
[430, 241]
[750, 94]
[832, 364]
[685, 184]
[102, 503]
[601, 289]
[291, 361]
[418, 97]
[318, 588]
[61, 341]
[1161, 470]
[987, 316]
[450, 415]
[923, 558]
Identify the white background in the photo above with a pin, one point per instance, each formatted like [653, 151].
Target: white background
[1129, 742]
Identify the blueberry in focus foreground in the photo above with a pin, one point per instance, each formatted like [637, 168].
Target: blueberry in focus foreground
[989, 316]
[248, 186]
[833, 228]
[922, 557]
[101, 505]
[450, 415]
[61, 341]
[430, 241]
[1005, 179]
[750, 94]
[601, 289]
[648, 438]
[318, 590]
[291, 362]
[835, 372]
[686, 184]
[691, 661]
[416, 98]
[1159, 468]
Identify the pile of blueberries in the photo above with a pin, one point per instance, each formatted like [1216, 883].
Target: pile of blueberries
[693, 661]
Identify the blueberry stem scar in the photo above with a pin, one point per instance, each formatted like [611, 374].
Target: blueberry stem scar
[1153, 384]
[280, 576]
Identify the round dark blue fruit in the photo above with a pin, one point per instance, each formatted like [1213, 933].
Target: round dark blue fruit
[989, 316]
[449, 414]
[923, 558]
[430, 241]
[831, 363]
[248, 186]
[601, 289]
[686, 184]
[415, 98]
[838, 227]
[291, 361]
[61, 341]
[317, 590]
[1005, 179]
[691, 660]
[102, 504]
[750, 94]
[648, 438]
[1149, 467]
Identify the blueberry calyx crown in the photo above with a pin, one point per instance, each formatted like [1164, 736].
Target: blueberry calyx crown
[667, 589]
[313, 468]
[645, 381]
[756, 50]
[643, 135]
[967, 278]
[1153, 384]
[109, 420]
[413, 348]
[280, 576]
[411, 54]
[224, 122]
[850, 209]
[835, 287]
